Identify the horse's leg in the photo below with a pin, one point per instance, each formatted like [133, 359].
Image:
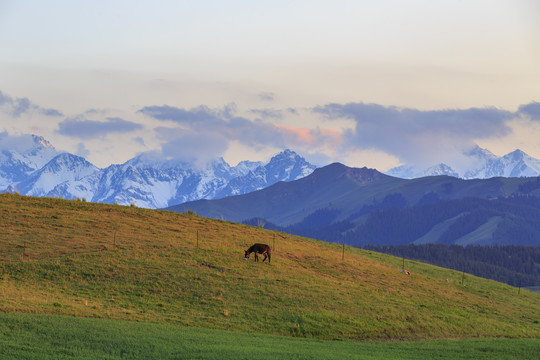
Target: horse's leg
[265, 256]
[256, 257]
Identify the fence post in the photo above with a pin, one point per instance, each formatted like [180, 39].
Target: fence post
[24, 251]
[343, 252]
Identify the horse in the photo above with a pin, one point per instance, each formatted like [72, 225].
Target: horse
[262, 249]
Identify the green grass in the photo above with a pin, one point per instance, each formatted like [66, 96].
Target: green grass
[80, 259]
[24, 336]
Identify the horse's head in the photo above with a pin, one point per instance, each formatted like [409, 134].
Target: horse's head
[246, 255]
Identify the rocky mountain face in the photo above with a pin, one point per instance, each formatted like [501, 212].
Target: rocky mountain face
[147, 180]
[481, 164]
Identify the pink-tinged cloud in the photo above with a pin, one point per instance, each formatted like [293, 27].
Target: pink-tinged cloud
[311, 137]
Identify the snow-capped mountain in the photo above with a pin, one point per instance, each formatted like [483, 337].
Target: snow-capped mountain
[61, 169]
[161, 184]
[481, 164]
[22, 155]
[32, 166]
[285, 166]
[514, 164]
[147, 180]
[411, 172]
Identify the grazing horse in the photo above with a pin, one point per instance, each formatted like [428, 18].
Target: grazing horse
[259, 249]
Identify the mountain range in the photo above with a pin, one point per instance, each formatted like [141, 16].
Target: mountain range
[32, 166]
[359, 206]
[335, 203]
[36, 168]
[481, 164]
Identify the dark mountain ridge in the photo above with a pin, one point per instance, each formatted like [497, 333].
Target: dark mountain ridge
[287, 202]
[360, 206]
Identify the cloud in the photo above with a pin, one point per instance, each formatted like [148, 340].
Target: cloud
[207, 121]
[20, 143]
[292, 111]
[82, 151]
[417, 135]
[266, 96]
[51, 112]
[20, 106]
[206, 133]
[139, 140]
[191, 147]
[394, 134]
[199, 114]
[16, 107]
[309, 138]
[532, 110]
[267, 113]
[80, 127]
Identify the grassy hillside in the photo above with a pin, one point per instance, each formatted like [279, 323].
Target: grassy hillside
[104, 261]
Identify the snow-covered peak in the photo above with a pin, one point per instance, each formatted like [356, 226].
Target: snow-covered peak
[219, 168]
[287, 166]
[40, 140]
[517, 164]
[246, 166]
[21, 155]
[440, 169]
[69, 162]
[64, 167]
[286, 155]
[402, 171]
[146, 159]
[481, 164]
[479, 152]
[411, 172]
[219, 163]
[516, 155]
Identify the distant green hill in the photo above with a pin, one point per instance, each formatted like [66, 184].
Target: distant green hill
[363, 206]
[104, 261]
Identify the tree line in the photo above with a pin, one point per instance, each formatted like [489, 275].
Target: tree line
[513, 264]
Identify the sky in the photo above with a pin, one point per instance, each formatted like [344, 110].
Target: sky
[365, 83]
